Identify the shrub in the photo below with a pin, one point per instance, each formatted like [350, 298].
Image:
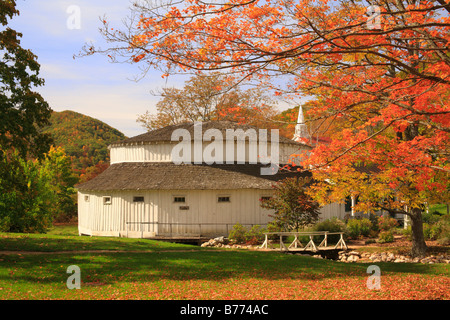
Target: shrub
[432, 231]
[274, 226]
[354, 228]
[373, 233]
[255, 235]
[365, 227]
[374, 220]
[431, 217]
[240, 234]
[386, 236]
[426, 231]
[386, 223]
[444, 235]
[359, 227]
[305, 238]
[436, 230]
[331, 225]
[237, 234]
[407, 232]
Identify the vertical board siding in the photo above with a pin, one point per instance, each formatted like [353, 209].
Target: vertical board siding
[141, 153]
[162, 152]
[332, 210]
[205, 216]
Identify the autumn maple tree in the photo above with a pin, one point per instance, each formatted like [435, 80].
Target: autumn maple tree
[378, 70]
[210, 97]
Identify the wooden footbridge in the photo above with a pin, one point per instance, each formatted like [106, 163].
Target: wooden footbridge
[296, 245]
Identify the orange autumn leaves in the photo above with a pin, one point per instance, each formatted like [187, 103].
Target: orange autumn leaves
[321, 287]
[213, 30]
[385, 87]
[409, 287]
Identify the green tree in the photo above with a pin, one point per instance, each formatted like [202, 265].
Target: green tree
[35, 192]
[25, 193]
[294, 208]
[57, 167]
[23, 111]
[26, 196]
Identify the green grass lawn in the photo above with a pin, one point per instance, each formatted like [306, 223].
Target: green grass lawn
[146, 269]
[62, 240]
[64, 229]
[441, 208]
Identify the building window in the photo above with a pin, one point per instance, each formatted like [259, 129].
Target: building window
[138, 199]
[86, 198]
[106, 200]
[179, 199]
[349, 204]
[223, 199]
[265, 198]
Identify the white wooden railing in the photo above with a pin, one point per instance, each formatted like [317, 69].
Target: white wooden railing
[310, 245]
[166, 228]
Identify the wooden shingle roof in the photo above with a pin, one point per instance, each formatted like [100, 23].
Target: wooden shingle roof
[169, 176]
[165, 134]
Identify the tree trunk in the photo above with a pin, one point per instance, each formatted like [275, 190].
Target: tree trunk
[419, 247]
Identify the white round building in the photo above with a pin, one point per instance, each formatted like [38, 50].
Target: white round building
[187, 180]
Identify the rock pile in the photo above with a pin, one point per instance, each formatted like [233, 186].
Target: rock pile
[222, 242]
[355, 256]
[216, 242]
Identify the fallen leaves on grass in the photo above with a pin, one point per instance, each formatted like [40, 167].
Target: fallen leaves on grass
[393, 287]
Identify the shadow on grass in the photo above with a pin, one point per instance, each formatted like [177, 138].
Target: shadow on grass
[52, 243]
[110, 268]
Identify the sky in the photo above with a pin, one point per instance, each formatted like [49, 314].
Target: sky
[55, 31]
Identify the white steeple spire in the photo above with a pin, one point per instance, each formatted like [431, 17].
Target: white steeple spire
[301, 131]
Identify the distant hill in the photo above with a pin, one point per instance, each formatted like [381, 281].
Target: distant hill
[85, 139]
